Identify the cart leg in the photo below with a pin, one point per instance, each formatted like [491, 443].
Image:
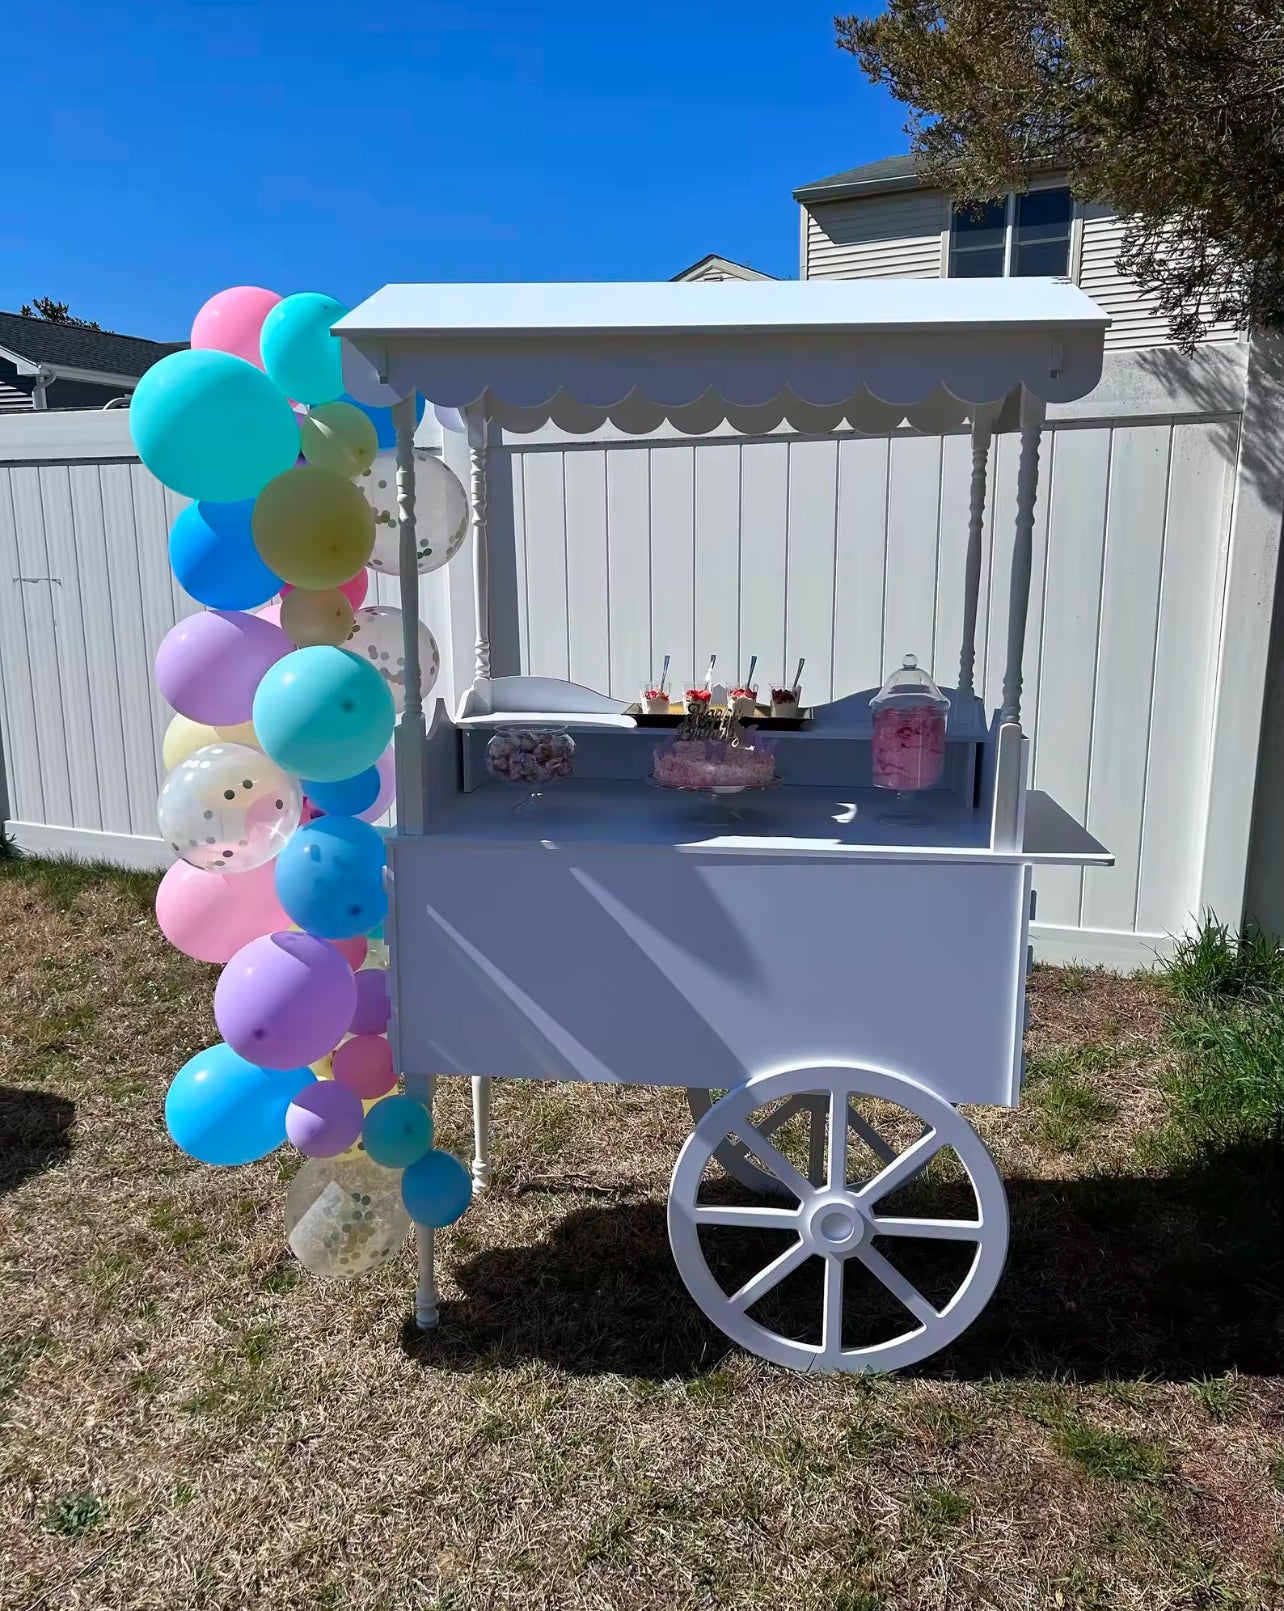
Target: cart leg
[481, 1130]
[426, 1290]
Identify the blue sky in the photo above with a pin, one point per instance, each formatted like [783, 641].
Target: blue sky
[156, 152]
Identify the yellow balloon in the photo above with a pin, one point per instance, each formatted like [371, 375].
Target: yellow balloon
[322, 1068]
[183, 737]
[339, 437]
[309, 617]
[312, 527]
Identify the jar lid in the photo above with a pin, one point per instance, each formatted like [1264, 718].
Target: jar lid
[907, 686]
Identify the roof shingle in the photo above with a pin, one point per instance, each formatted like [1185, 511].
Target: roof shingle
[70, 346]
[890, 173]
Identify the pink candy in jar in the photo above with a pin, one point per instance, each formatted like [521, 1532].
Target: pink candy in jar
[909, 714]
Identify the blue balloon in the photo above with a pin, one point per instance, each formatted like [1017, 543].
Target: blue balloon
[329, 878]
[299, 353]
[397, 1132]
[321, 713]
[214, 558]
[212, 426]
[224, 1110]
[436, 1190]
[349, 797]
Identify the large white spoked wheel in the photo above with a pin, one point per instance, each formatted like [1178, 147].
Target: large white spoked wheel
[837, 1221]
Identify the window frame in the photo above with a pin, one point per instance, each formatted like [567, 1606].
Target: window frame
[1074, 244]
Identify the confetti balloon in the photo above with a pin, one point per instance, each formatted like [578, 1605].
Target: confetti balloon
[285, 1000]
[322, 713]
[209, 425]
[436, 1189]
[312, 527]
[228, 808]
[376, 638]
[339, 437]
[225, 1110]
[210, 916]
[344, 1216]
[316, 617]
[209, 665]
[441, 511]
[324, 1119]
[183, 736]
[298, 351]
[397, 1132]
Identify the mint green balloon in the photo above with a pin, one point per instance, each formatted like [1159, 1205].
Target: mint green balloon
[321, 713]
[211, 426]
[299, 353]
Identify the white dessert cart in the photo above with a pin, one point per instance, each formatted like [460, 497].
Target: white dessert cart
[845, 980]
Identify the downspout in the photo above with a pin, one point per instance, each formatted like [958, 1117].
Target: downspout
[44, 379]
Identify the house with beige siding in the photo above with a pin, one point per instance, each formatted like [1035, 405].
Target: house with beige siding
[881, 220]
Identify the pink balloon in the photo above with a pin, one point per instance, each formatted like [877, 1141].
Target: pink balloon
[210, 916]
[364, 1065]
[209, 665]
[324, 1119]
[270, 612]
[285, 1000]
[387, 787]
[354, 590]
[373, 1007]
[352, 951]
[231, 321]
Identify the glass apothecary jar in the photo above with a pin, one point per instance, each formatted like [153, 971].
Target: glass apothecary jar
[530, 758]
[909, 717]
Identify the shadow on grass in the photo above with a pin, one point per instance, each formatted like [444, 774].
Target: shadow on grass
[34, 1134]
[1170, 1278]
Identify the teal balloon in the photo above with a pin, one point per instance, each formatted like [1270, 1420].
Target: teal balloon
[212, 426]
[224, 1110]
[321, 713]
[212, 553]
[436, 1189]
[299, 353]
[397, 1132]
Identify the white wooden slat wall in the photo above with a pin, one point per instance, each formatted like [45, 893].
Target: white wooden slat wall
[851, 552]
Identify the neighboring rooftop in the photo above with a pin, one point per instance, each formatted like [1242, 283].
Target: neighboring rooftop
[71, 347]
[888, 173]
[714, 267]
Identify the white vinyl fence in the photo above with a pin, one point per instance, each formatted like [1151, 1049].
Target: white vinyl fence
[1145, 660]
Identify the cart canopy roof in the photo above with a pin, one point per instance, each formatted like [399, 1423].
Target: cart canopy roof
[817, 355]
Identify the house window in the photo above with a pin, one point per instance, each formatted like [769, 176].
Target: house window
[1024, 235]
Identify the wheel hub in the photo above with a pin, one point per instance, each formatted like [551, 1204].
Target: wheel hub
[836, 1225]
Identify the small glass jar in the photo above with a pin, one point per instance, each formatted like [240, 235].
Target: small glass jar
[909, 716]
[530, 758]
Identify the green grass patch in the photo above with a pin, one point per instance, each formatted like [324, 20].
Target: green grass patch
[1109, 1456]
[1214, 965]
[62, 880]
[1223, 1397]
[73, 1514]
[1067, 1106]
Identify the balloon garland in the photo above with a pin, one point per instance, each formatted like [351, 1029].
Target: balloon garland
[286, 688]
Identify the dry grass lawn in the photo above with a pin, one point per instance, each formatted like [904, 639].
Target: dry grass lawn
[187, 1420]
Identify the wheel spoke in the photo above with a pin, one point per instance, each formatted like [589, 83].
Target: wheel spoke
[836, 1162]
[772, 1275]
[777, 1164]
[831, 1337]
[881, 1149]
[782, 1114]
[816, 1145]
[751, 1216]
[939, 1230]
[896, 1284]
[902, 1168]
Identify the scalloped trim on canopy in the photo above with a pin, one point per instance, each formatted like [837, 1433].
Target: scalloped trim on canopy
[816, 355]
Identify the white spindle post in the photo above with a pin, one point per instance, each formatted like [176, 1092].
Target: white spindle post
[1032, 412]
[410, 729]
[425, 1236]
[982, 435]
[481, 1130]
[475, 419]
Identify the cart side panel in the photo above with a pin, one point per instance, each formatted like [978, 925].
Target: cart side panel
[665, 968]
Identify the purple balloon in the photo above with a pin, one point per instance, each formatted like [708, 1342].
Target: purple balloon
[324, 1119]
[209, 665]
[373, 1006]
[285, 1000]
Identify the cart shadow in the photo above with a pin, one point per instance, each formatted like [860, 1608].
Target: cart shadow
[35, 1134]
[1171, 1278]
